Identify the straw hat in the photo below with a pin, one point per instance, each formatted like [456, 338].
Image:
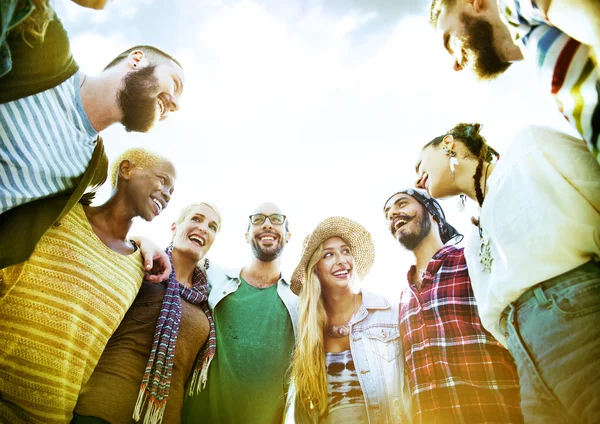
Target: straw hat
[357, 237]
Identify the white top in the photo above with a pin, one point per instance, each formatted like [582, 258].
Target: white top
[542, 217]
[46, 144]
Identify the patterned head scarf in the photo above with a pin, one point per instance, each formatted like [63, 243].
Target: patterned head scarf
[447, 231]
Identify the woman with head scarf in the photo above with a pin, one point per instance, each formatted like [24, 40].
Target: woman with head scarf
[346, 365]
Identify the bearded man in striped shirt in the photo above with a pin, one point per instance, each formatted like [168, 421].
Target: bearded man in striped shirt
[457, 371]
[50, 117]
[561, 37]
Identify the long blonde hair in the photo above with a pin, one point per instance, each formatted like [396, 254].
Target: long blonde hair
[309, 373]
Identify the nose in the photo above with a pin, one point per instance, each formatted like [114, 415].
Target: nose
[457, 66]
[166, 193]
[267, 223]
[419, 182]
[175, 103]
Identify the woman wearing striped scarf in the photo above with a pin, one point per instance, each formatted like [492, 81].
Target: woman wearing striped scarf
[166, 340]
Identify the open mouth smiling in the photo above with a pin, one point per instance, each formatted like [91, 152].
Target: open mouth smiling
[159, 205]
[199, 240]
[342, 273]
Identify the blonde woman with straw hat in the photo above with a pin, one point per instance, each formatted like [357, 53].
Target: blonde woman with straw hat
[346, 365]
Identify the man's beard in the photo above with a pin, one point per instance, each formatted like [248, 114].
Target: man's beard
[411, 240]
[137, 107]
[481, 54]
[269, 254]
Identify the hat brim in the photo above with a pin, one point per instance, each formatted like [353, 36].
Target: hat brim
[358, 238]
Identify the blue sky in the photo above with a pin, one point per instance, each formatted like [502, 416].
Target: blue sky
[320, 107]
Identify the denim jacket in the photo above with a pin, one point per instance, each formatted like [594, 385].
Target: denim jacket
[376, 348]
[226, 281]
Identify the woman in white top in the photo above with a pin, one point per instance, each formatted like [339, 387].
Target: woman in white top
[346, 366]
[532, 257]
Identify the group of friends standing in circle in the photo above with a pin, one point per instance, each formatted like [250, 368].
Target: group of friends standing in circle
[99, 326]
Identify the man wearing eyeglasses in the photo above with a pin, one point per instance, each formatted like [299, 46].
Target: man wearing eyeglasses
[255, 318]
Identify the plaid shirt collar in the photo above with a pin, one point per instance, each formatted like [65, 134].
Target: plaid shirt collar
[433, 266]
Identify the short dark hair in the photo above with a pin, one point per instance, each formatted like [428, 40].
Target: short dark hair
[436, 9]
[153, 54]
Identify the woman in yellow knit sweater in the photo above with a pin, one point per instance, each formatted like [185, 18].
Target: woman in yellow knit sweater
[59, 308]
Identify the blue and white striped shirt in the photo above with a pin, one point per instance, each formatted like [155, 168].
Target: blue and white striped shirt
[46, 143]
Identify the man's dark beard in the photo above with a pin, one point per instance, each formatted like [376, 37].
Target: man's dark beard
[411, 241]
[266, 256]
[478, 43]
[137, 107]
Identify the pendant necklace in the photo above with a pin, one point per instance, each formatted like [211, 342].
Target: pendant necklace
[342, 330]
[485, 248]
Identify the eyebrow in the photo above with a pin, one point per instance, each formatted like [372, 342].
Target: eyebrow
[331, 248]
[403, 197]
[179, 82]
[417, 166]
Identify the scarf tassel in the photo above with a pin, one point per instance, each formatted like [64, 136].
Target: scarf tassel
[200, 376]
[154, 411]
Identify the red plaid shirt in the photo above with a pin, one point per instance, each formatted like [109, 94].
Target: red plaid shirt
[458, 372]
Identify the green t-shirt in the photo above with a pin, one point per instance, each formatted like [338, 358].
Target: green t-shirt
[248, 377]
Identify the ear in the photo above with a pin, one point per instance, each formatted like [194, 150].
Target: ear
[137, 59]
[246, 236]
[125, 170]
[287, 237]
[448, 142]
[478, 5]
[173, 228]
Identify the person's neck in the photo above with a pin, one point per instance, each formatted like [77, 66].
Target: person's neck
[184, 267]
[428, 247]
[111, 221]
[99, 99]
[505, 45]
[262, 274]
[339, 304]
[464, 177]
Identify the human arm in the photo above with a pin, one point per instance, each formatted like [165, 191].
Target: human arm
[156, 261]
[92, 4]
[580, 19]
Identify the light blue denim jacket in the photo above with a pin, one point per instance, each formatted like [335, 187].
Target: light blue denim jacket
[376, 348]
[223, 282]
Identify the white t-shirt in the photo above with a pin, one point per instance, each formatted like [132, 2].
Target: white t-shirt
[541, 215]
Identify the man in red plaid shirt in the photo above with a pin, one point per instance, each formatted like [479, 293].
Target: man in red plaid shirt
[457, 371]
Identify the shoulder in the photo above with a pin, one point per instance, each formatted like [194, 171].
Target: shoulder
[217, 274]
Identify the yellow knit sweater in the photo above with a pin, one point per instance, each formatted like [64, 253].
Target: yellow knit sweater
[57, 311]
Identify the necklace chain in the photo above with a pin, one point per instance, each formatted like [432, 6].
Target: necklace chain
[342, 330]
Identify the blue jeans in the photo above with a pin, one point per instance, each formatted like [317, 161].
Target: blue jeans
[553, 333]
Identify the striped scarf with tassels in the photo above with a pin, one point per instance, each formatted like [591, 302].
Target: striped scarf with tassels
[154, 390]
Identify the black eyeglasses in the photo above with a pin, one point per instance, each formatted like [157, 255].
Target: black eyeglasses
[259, 218]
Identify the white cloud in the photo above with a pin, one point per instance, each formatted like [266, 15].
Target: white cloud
[292, 110]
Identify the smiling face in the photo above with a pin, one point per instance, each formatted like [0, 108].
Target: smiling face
[335, 268]
[195, 234]
[267, 239]
[407, 220]
[149, 94]
[470, 38]
[434, 174]
[149, 189]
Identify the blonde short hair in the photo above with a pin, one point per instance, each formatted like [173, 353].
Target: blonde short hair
[183, 213]
[139, 158]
